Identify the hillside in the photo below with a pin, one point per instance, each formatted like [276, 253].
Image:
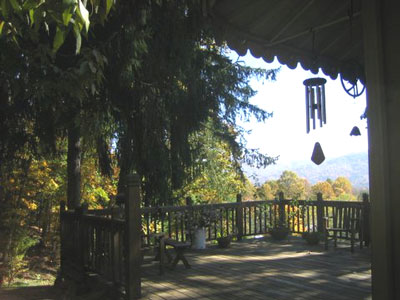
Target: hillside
[352, 166]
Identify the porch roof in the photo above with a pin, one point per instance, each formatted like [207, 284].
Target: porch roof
[317, 34]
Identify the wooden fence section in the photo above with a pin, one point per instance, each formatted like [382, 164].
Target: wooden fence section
[108, 242]
[93, 244]
[251, 218]
[103, 243]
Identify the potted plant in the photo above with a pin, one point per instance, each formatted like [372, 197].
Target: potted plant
[224, 241]
[279, 232]
[200, 220]
[312, 238]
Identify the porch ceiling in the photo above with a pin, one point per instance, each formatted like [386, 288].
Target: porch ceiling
[317, 34]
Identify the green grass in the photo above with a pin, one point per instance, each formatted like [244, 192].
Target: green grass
[33, 279]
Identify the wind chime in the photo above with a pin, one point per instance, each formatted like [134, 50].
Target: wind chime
[315, 108]
[315, 102]
[315, 98]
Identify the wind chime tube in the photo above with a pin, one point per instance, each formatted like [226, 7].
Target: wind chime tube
[307, 109]
[319, 104]
[315, 102]
[323, 103]
[312, 105]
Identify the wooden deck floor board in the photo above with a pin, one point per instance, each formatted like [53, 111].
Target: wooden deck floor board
[257, 269]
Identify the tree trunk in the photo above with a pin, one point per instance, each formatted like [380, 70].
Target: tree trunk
[74, 167]
[124, 164]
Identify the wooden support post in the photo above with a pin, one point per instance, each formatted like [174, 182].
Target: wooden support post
[62, 242]
[239, 217]
[161, 254]
[83, 237]
[381, 57]
[320, 214]
[77, 237]
[114, 247]
[366, 221]
[80, 248]
[282, 215]
[133, 220]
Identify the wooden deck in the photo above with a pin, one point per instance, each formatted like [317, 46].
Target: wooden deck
[264, 269]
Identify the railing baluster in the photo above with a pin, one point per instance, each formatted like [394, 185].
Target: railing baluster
[227, 220]
[244, 220]
[154, 217]
[169, 225]
[271, 213]
[299, 221]
[176, 226]
[260, 217]
[147, 217]
[255, 219]
[210, 233]
[291, 217]
[313, 218]
[287, 207]
[215, 229]
[182, 227]
[265, 218]
[233, 221]
[221, 223]
[341, 223]
[250, 220]
[162, 221]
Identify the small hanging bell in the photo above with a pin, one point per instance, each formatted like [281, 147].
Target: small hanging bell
[355, 131]
[317, 156]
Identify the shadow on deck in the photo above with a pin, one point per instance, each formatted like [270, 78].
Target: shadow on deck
[251, 269]
[265, 269]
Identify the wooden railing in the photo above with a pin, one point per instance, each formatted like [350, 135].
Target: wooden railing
[108, 242]
[93, 244]
[250, 218]
[101, 242]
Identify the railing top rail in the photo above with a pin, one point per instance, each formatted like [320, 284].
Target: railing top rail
[106, 213]
[100, 212]
[342, 203]
[101, 219]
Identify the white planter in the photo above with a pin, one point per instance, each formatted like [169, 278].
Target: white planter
[199, 238]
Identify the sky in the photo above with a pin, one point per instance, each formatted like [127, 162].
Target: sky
[285, 133]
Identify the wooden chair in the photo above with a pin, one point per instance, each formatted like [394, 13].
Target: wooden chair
[344, 223]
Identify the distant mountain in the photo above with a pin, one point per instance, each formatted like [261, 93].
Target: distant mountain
[352, 166]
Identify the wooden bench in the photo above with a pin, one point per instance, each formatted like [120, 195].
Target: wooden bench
[179, 248]
[349, 228]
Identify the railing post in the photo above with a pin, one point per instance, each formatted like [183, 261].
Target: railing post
[133, 221]
[366, 220]
[320, 213]
[77, 255]
[239, 217]
[79, 213]
[83, 236]
[282, 215]
[62, 242]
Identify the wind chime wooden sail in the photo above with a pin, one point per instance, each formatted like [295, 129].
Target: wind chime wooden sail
[315, 102]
